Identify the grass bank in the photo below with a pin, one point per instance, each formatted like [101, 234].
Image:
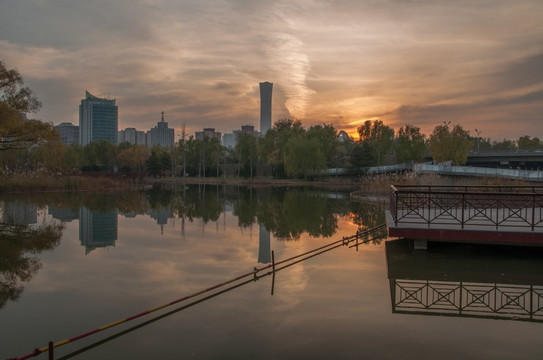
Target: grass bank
[25, 182]
[347, 184]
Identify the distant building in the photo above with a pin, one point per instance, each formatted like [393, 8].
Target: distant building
[266, 89]
[69, 133]
[161, 134]
[132, 136]
[208, 132]
[228, 140]
[344, 137]
[98, 120]
[245, 129]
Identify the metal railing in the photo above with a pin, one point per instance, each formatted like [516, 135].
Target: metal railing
[498, 301]
[499, 207]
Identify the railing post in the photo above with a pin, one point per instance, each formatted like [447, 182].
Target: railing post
[51, 351]
[533, 211]
[463, 207]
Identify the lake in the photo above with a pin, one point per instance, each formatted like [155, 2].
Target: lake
[74, 262]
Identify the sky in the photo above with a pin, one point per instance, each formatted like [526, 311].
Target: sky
[476, 63]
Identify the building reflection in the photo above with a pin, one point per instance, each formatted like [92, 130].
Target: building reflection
[264, 247]
[161, 215]
[19, 213]
[466, 280]
[97, 229]
[63, 214]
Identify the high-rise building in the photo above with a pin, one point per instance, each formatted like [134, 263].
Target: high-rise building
[161, 134]
[266, 89]
[69, 133]
[98, 120]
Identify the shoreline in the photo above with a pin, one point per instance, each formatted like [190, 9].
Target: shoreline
[80, 183]
[254, 182]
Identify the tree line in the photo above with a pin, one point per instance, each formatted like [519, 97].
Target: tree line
[289, 149]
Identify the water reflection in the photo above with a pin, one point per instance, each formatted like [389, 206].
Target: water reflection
[466, 280]
[97, 229]
[284, 213]
[21, 239]
[264, 245]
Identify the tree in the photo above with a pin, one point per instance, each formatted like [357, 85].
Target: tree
[304, 156]
[411, 144]
[504, 145]
[153, 164]
[246, 148]
[527, 143]
[17, 132]
[378, 136]
[99, 155]
[132, 159]
[165, 162]
[450, 145]
[272, 146]
[326, 137]
[361, 156]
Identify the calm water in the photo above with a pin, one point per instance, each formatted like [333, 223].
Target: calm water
[70, 263]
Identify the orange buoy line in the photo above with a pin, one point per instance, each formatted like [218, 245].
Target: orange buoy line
[343, 241]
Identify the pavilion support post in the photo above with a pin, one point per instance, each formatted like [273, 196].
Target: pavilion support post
[420, 244]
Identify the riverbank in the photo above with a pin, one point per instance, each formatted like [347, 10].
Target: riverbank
[256, 182]
[30, 182]
[104, 183]
[376, 184]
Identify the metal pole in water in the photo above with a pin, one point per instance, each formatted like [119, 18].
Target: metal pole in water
[51, 351]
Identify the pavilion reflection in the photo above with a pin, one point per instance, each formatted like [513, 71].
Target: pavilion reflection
[466, 280]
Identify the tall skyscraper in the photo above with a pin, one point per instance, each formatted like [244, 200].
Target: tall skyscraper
[266, 89]
[98, 120]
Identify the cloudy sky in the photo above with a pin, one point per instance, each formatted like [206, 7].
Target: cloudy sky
[477, 63]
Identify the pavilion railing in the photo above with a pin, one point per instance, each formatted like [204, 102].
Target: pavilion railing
[499, 207]
[453, 298]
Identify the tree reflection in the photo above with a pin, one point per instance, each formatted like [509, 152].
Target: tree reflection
[199, 202]
[288, 213]
[17, 245]
[246, 207]
[367, 216]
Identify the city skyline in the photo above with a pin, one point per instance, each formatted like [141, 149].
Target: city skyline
[477, 64]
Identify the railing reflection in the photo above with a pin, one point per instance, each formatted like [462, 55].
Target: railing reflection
[473, 282]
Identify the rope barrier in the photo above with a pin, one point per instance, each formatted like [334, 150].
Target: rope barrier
[343, 242]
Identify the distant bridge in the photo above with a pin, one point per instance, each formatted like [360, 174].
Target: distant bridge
[527, 160]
